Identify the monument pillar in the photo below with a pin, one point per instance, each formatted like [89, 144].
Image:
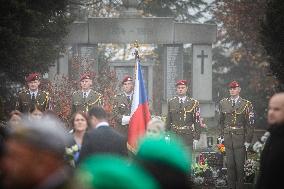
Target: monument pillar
[88, 57]
[202, 78]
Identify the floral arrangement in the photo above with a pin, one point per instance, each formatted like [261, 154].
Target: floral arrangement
[221, 148]
[251, 165]
[259, 145]
[70, 154]
[250, 169]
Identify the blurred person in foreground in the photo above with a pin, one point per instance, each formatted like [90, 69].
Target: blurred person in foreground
[167, 161]
[101, 138]
[15, 118]
[122, 106]
[33, 157]
[155, 128]
[35, 112]
[236, 124]
[32, 96]
[271, 160]
[112, 172]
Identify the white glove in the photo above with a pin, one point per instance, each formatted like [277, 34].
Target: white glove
[125, 120]
[195, 144]
[247, 145]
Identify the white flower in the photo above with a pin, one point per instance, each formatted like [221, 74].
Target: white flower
[257, 147]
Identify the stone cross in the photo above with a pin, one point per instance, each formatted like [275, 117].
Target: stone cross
[202, 56]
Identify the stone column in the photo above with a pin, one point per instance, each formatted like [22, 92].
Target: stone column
[172, 60]
[202, 78]
[88, 56]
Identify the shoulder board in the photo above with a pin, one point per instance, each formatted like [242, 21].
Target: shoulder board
[170, 99]
[45, 92]
[224, 99]
[97, 93]
[75, 92]
[196, 101]
[23, 91]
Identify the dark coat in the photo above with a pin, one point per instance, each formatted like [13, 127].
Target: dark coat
[271, 161]
[103, 140]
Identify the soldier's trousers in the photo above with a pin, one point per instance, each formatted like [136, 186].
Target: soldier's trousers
[235, 156]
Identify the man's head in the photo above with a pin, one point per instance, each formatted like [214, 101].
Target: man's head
[33, 81]
[96, 115]
[276, 109]
[86, 81]
[36, 148]
[181, 87]
[234, 89]
[127, 84]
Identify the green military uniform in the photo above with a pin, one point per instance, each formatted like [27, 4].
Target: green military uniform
[122, 107]
[24, 101]
[236, 122]
[184, 118]
[85, 104]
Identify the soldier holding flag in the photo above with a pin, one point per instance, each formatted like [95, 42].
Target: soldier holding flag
[237, 124]
[122, 106]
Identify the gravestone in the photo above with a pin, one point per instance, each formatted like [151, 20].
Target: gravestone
[173, 68]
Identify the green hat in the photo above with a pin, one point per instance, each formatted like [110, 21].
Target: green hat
[171, 152]
[113, 172]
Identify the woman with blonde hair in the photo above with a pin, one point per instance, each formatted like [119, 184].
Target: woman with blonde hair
[155, 128]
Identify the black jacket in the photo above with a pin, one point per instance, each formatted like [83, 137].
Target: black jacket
[272, 159]
[103, 140]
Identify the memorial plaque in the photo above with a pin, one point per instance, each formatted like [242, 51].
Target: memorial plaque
[122, 71]
[173, 68]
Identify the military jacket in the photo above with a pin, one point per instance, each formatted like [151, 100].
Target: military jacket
[184, 115]
[240, 115]
[24, 101]
[122, 106]
[85, 104]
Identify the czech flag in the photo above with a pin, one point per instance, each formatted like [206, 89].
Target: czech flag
[140, 114]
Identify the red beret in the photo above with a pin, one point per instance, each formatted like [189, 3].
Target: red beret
[32, 77]
[181, 82]
[127, 78]
[234, 84]
[85, 76]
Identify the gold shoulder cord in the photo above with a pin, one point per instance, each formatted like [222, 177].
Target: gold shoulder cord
[240, 112]
[98, 99]
[191, 109]
[45, 100]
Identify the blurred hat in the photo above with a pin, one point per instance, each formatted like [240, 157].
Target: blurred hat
[113, 172]
[32, 77]
[181, 82]
[127, 78]
[170, 152]
[46, 134]
[234, 84]
[85, 76]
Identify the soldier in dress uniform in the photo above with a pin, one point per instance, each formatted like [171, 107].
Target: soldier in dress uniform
[86, 98]
[184, 115]
[236, 124]
[122, 106]
[32, 96]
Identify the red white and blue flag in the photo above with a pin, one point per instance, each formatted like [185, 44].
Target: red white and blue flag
[140, 114]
